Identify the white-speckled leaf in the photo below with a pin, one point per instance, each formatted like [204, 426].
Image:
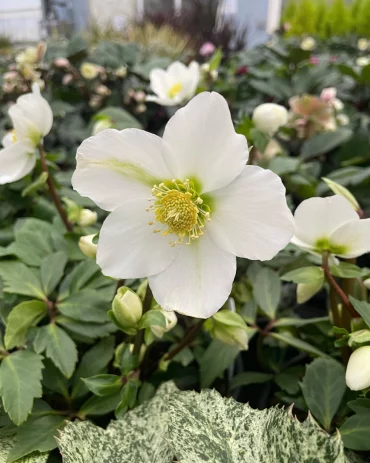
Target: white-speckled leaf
[6, 444]
[206, 427]
[140, 436]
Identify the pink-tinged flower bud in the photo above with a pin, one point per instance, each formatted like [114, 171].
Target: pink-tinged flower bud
[314, 60]
[103, 90]
[61, 62]
[207, 49]
[67, 79]
[328, 94]
[140, 96]
[11, 75]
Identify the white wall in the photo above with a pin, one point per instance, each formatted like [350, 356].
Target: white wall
[20, 20]
[114, 12]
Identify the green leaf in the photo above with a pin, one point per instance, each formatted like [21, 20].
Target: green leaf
[128, 397]
[207, 427]
[20, 383]
[347, 270]
[20, 319]
[120, 118]
[96, 406]
[304, 275]
[78, 278]
[284, 165]
[36, 185]
[103, 385]
[267, 290]
[53, 379]
[250, 377]
[360, 405]
[36, 435]
[260, 139]
[87, 305]
[52, 269]
[298, 344]
[138, 437]
[355, 432]
[58, 347]
[153, 318]
[323, 388]
[85, 329]
[323, 142]
[92, 363]
[290, 321]
[215, 61]
[6, 445]
[363, 308]
[217, 357]
[19, 279]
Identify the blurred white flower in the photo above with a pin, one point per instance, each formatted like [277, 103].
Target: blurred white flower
[90, 70]
[32, 119]
[87, 246]
[87, 218]
[176, 85]
[367, 283]
[343, 119]
[363, 61]
[363, 44]
[171, 321]
[207, 49]
[28, 56]
[308, 43]
[330, 224]
[121, 72]
[269, 117]
[328, 94]
[206, 205]
[358, 369]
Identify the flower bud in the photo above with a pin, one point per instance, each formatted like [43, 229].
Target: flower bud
[127, 307]
[208, 48]
[101, 125]
[171, 321]
[61, 62]
[140, 96]
[328, 94]
[359, 337]
[67, 79]
[342, 191]
[308, 44]
[229, 328]
[306, 290]
[87, 246]
[358, 369]
[367, 283]
[141, 108]
[73, 210]
[87, 218]
[103, 90]
[363, 61]
[268, 117]
[121, 72]
[89, 70]
[363, 44]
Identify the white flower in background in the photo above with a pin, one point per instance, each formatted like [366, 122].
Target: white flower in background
[87, 218]
[342, 119]
[328, 94]
[363, 61]
[205, 205]
[171, 322]
[87, 246]
[176, 85]
[363, 44]
[358, 369]
[32, 119]
[269, 117]
[330, 224]
[308, 44]
[90, 70]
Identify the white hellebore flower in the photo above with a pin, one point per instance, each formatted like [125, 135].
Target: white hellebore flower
[176, 85]
[269, 117]
[330, 224]
[308, 43]
[183, 207]
[358, 369]
[32, 119]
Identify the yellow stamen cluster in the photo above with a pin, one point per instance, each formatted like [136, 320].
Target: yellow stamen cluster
[175, 90]
[178, 206]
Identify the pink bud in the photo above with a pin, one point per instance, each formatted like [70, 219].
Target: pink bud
[67, 79]
[314, 60]
[140, 96]
[61, 62]
[11, 75]
[328, 94]
[207, 49]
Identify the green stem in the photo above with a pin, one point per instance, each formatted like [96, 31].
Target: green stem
[139, 338]
[186, 340]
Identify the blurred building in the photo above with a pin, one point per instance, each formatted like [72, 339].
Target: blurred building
[25, 21]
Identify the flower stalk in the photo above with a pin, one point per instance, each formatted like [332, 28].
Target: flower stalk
[53, 191]
[139, 338]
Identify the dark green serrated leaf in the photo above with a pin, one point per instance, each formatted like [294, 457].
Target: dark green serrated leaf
[298, 344]
[87, 305]
[250, 377]
[217, 357]
[267, 291]
[103, 385]
[19, 279]
[52, 269]
[355, 432]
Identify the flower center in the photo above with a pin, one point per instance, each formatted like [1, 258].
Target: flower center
[175, 90]
[179, 207]
[323, 244]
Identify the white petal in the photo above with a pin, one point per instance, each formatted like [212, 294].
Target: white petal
[177, 72]
[194, 77]
[354, 236]
[358, 369]
[198, 282]
[158, 82]
[251, 218]
[317, 218]
[16, 161]
[31, 112]
[127, 246]
[204, 144]
[113, 166]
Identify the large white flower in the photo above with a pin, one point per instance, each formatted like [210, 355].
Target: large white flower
[32, 119]
[330, 224]
[175, 85]
[183, 206]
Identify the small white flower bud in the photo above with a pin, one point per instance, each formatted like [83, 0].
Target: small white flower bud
[358, 369]
[341, 190]
[268, 117]
[308, 44]
[127, 307]
[363, 44]
[121, 72]
[171, 321]
[87, 246]
[87, 218]
[89, 70]
[367, 283]
[229, 328]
